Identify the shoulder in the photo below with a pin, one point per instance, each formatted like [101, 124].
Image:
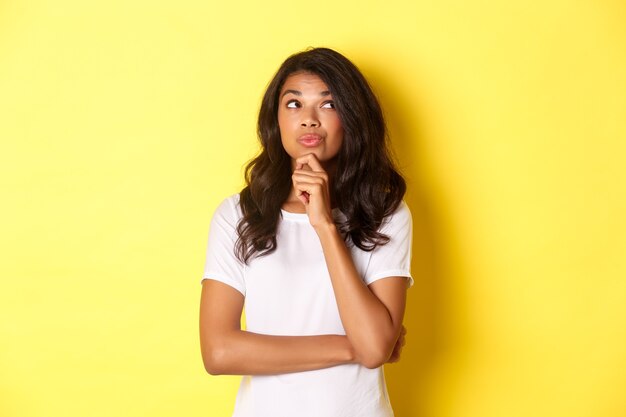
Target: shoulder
[400, 218]
[230, 203]
[402, 211]
[229, 209]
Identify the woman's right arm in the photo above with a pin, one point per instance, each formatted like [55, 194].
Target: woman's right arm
[226, 349]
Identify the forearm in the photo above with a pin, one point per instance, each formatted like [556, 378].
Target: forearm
[239, 352]
[367, 322]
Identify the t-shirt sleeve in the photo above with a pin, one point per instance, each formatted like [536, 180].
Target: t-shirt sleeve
[221, 263]
[394, 258]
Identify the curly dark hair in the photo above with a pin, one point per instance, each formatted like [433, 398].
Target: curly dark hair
[366, 188]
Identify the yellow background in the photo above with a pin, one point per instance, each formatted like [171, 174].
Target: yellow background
[125, 123]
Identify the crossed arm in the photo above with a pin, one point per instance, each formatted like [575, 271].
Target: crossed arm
[226, 349]
[371, 315]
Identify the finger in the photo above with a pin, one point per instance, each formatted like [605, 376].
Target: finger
[304, 197]
[310, 188]
[309, 181]
[312, 161]
[317, 178]
[395, 355]
[303, 167]
[308, 184]
[301, 191]
[313, 179]
[318, 174]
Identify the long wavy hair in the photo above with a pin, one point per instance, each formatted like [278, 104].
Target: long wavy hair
[366, 187]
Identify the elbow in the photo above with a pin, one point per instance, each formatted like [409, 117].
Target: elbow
[373, 362]
[373, 357]
[218, 353]
[214, 359]
[212, 368]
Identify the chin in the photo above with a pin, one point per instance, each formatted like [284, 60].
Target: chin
[317, 152]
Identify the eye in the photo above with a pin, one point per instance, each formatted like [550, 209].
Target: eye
[328, 105]
[293, 104]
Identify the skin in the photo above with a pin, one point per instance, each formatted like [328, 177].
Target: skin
[371, 315]
[306, 106]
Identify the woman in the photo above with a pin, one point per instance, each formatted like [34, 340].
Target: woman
[317, 246]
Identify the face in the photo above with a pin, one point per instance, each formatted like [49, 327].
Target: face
[308, 120]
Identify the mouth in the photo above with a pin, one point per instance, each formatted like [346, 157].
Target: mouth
[310, 140]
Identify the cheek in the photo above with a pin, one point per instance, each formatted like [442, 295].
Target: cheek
[337, 128]
[281, 122]
[285, 124]
[339, 139]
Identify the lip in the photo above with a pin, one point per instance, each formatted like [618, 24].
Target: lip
[310, 140]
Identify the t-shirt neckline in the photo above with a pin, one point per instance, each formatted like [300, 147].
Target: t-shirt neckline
[303, 217]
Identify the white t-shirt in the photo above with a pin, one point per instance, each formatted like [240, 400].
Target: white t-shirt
[289, 292]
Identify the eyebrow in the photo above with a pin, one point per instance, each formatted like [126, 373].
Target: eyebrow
[299, 93]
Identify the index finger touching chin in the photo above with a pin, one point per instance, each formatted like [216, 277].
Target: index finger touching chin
[311, 160]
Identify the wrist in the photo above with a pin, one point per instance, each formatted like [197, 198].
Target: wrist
[325, 228]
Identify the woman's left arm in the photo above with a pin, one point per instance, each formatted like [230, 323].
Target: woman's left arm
[371, 315]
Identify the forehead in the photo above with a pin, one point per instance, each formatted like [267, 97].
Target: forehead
[304, 81]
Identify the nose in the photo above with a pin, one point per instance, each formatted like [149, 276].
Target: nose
[309, 118]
